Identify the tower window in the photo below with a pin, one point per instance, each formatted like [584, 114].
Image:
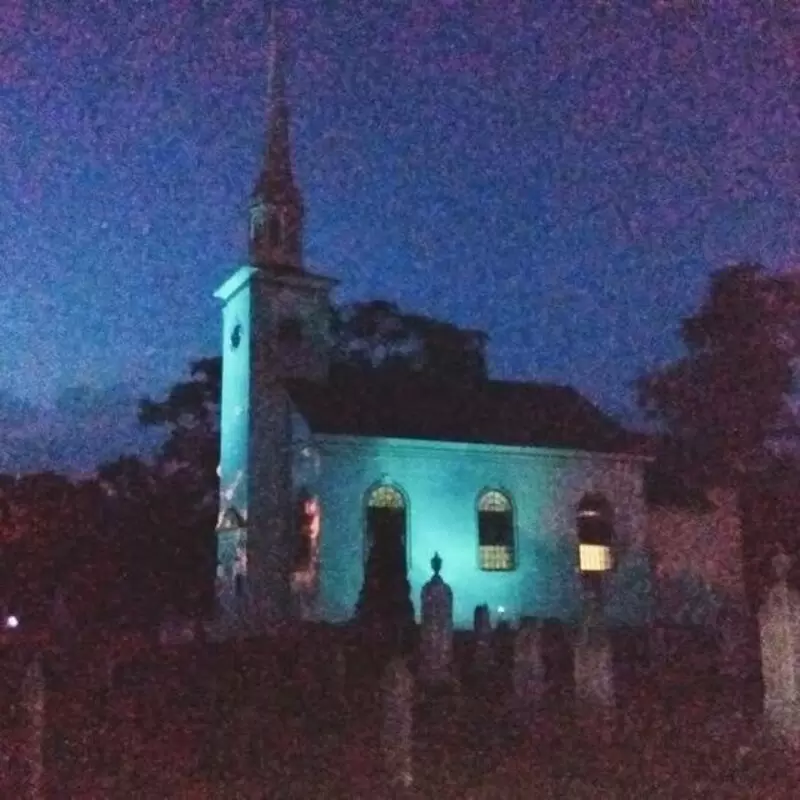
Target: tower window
[236, 336]
[496, 548]
[257, 216]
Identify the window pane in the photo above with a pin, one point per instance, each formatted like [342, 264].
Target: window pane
[386, 521]
[494, 501]
[496, 557]
[385, 497]
[384, 525]
[495, 528]
[495, 532]
[595, 530]
[594, 558]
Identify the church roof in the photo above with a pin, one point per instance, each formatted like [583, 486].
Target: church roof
[492, 412]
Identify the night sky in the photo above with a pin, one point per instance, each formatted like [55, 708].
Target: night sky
[562, 179]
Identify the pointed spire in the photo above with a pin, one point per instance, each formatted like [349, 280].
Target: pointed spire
[276, 209]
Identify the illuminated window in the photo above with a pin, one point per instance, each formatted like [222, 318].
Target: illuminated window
[595, 529]
[495, 532]
[385, 497]
[385, 517]
[594, 558]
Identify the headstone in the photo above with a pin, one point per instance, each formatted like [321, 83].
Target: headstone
[33, 697]
[436, 637]
[779, 622]
[397, 733]
[483, 654]
[594, 665]
[528, 670]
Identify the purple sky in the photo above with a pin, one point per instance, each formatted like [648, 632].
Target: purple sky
[563, 179]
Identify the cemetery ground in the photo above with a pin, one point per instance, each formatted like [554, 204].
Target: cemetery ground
[267, 719]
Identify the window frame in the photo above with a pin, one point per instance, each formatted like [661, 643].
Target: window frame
[598, 502]
[513, 545]
[365, 506]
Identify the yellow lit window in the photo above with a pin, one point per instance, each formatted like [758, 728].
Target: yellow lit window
[594, 558]
[496, 557]
[496, 551]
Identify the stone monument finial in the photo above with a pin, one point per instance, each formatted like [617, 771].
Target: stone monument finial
[781, 564]
[436, 563]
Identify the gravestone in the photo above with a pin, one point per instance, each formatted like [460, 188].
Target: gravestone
[528, 670]
[483, 654]
[779, 623]
[436, 636]
[594, 665]
[33, 700]
[397, 729]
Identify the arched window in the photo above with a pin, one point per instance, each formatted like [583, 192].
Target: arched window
[386, 516]
[595, 528]
[496, 551]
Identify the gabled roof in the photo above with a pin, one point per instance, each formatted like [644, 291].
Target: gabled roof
[490, 412]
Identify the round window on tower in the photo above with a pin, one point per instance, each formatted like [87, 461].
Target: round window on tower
[236, 336]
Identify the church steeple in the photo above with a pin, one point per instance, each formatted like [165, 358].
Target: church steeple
[276, 206]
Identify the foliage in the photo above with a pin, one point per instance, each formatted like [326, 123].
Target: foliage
[36, 511]
[57, 536]
[724, 403]
[376, 336]
[185, 485]
[190, 412]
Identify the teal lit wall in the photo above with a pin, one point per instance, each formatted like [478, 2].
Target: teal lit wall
[442, 482]
[236, 294]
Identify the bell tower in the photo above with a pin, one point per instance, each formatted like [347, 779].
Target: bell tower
[276, 206]
[275, 328]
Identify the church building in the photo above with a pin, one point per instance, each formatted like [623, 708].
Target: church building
[533, 498]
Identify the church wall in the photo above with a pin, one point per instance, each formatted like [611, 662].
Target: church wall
[234, 428]
[235, 400]
[441, 482]
[255, 452]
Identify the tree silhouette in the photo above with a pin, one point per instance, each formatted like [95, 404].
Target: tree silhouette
[726, 402]
[377, 337]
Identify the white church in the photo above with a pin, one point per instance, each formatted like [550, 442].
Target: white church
[531, 495]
